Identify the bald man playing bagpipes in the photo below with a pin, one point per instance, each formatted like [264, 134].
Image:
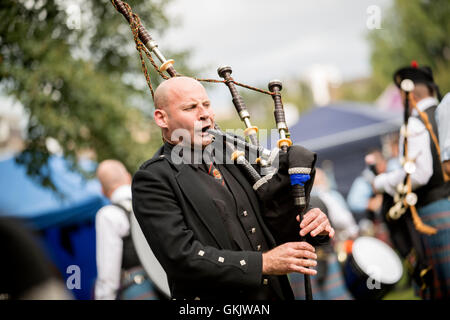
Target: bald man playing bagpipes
[215, 236]
[225, 217]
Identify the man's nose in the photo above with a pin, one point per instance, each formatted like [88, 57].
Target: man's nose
[204, 113]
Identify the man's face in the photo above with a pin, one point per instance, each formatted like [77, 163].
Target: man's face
[377, 159]
[381, 165]
[421, 91]
[189, 115]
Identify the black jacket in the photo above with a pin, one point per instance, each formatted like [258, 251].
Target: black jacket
[188, 237]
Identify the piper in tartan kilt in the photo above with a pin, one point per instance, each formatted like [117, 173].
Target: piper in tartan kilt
[423, 183]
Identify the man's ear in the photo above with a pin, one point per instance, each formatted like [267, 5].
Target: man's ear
[160, 117]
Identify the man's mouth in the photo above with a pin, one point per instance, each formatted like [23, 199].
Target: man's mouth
[205, 129]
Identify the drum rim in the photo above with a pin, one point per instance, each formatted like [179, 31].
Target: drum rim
[358, 280]
[156, 273]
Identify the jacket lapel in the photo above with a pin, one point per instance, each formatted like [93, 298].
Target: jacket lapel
[196, 194]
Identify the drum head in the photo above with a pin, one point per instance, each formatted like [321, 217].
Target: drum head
[148, 260]
[377, 260]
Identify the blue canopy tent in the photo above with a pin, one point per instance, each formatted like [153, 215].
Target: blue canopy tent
[65, 222]
[343, 133]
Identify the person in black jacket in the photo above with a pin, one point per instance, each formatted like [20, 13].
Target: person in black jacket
[203, 221]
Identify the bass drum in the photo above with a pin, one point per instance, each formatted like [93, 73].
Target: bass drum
[148, 260]
[372, 268]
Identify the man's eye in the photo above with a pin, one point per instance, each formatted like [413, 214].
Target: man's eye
[190, 107]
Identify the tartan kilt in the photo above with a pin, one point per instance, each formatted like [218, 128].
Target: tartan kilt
[437, 247]
[332, 288]
[136, 285]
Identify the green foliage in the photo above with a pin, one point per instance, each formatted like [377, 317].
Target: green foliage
[412, 30]
[84, 86]
[362, 90]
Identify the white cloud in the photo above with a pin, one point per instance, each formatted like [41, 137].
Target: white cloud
[264, 39]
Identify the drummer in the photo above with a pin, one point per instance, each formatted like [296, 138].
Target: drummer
[428, 183]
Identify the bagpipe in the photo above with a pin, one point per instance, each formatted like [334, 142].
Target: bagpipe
[282, 178]
[405, 199]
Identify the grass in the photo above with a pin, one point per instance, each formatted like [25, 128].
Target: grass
[403, 294]
[403, 290]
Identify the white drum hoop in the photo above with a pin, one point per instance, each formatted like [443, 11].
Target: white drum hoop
[147, 258]
[377, 259]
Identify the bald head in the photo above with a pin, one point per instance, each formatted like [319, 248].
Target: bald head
[172, 88]
[112, 174]
[182, 111]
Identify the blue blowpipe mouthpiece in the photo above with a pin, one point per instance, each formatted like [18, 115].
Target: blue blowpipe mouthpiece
[299, 178]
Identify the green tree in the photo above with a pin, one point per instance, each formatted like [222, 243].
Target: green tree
[412, 30]
[78, 76]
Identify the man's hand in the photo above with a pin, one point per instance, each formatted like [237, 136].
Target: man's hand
[315, 222]
[290, 257]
